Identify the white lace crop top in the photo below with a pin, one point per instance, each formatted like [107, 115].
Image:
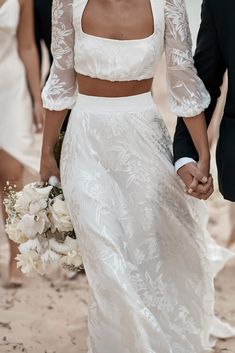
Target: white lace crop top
[74, 51]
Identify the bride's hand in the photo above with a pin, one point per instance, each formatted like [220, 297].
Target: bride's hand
[202, 190]
[49, 167]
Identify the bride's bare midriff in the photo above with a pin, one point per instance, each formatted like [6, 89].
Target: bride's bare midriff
[102, 88]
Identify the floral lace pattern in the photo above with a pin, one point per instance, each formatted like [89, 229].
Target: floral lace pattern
[60, 91]
[142, 239]
[124, 60]
[187, 94]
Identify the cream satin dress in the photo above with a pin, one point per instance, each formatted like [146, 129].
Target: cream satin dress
[16, 122]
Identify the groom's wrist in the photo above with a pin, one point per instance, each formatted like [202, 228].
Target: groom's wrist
[182, 162]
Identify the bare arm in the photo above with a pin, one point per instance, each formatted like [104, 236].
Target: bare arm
[198, 131]
[52, 127]
[28, 54]
[60, 91]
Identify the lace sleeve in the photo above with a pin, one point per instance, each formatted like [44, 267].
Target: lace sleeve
[187, 94]
[60, 90]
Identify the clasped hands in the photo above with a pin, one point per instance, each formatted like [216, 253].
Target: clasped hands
[198, 182]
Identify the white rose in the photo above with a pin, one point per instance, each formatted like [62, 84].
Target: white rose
[59, 248]
[32, 226]
[50, 256]
[31, 244]
[30, 263]
[32, 199]
[60, 215]
[44, 191]
[37, 206]
[73, 256]
[15, 234]
[55, 182]
[22, 203]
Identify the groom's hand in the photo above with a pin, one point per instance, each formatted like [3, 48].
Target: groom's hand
[196, 182]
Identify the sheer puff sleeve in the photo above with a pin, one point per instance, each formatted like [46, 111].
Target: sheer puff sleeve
[60, 90]
[187, 94]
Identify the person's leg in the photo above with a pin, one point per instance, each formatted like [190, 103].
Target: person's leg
[231, 240]
[11, 170]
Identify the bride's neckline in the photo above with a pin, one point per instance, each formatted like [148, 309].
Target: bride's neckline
[94, 37]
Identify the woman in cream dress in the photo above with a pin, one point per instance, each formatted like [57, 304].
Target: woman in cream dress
[146, 251]
[20, 80]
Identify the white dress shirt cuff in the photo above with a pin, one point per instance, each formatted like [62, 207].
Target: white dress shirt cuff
[183, 161]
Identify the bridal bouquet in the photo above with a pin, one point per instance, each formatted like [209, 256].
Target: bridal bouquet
[39, 222]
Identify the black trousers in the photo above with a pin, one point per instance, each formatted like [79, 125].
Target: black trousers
[225, 156]
[42, 24]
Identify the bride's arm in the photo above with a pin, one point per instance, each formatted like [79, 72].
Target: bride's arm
[60, 91]
[187, 94]
[52, 127]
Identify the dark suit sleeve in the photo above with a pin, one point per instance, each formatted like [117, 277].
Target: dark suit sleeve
[210, 67]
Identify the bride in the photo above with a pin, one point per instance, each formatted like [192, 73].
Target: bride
[144, 242]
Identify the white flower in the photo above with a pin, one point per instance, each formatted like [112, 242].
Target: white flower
[44, 191]
[15, 234]
[31, 244]
[73, 257]
[29, 263]
[54, 181]
[37, 206]
[22, 203]
[60, 215]
[50, 256]
[32, 225]
[60, 248]
[32, 199]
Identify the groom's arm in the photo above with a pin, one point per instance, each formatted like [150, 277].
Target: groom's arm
[210, 66]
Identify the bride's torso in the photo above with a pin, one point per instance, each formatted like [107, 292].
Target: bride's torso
[118, 46]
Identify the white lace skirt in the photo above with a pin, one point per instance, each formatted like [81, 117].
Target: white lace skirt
[144, 242]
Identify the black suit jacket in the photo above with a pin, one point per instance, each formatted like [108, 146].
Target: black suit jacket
[42, 23]
[214, 54]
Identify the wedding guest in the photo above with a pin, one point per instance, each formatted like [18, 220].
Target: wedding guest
[20, 103]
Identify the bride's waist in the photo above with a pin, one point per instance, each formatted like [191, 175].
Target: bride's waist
[103, 88]
[94, 104]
